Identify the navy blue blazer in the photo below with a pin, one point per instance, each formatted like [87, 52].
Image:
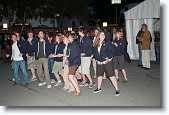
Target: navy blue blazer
[73, 53]
[105, 51]
[86, 46]
[30, 48]
[59, 50]
[22, 47]
[120, 50]
[48, 48]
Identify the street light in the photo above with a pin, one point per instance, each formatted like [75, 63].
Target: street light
[104, 24]
[116, 2]
[5, 27]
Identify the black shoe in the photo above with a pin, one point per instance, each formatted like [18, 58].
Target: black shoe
[26, 85]
[139, 65]
[15, 84]
[117, 93]
[97, 90]
[125, 81]
[143, 67]
[147, 68]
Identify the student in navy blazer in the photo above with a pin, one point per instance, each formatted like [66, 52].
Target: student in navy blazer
[103, 53]
[73, 61]
[43, 50]
[86, 47]
[57, 55]
[30, 54]
[119, 45]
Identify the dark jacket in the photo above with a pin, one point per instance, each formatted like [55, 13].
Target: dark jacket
[59, 50]
[105, 51]
[73, 53]
[138, 35]
[5, 42]
[22, 47]
[120, 49]
[85, 46]
[48, 49]
[30, 48]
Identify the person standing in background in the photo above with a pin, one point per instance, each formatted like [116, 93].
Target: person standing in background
[157, 47]
[145, 40]
[113, 35]
[139, 47]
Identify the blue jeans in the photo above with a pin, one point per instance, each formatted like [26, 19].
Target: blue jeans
[157, 52]
[50, 66]
[140, 54]
[22, 66]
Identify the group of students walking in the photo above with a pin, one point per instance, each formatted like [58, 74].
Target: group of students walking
[70, 53]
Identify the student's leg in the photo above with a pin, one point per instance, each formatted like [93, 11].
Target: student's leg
[23, 69]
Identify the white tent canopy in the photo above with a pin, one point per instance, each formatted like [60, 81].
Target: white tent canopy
[147, 12]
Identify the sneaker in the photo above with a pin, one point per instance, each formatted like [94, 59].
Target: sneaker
[41, 84]
[83, 84]
[53, 81]
[32, 79]
[70, 91]
[26, 85]
[64, 88]
[117, 78]
[117, 93]
[91, 85]
[49, 86]
[97, 90]
[125, 81]
[58, 83]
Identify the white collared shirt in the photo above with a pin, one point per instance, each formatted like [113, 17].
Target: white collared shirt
[16, 52]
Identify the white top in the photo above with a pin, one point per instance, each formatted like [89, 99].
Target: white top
[94, 39]
[16, 52]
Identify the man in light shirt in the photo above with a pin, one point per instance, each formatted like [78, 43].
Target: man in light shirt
[18, 56]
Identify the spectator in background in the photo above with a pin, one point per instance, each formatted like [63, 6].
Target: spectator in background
[145, 40]
[139, 47]
[157, 47]
[5, 48]
[113, 35]
[107, 34]
[0, 46]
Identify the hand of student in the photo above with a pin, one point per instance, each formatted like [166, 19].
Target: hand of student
[60, 55]
[116, 44]
[27, 55]
[107, 60]
[20, 55]
[66, 62]
[91, 57]
[82, 54]
[50, 56]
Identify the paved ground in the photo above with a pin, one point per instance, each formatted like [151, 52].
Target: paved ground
[143, 89]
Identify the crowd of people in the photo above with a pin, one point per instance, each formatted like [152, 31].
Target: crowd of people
[56, 56]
